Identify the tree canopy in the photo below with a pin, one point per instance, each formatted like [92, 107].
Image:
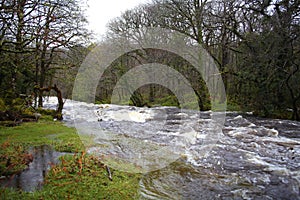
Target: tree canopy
[254, 43]
[35, 36]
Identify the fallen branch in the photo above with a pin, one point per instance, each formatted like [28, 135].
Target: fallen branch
[108, 172]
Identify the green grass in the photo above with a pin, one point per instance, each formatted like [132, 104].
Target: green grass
[52, 133]
[79, 176]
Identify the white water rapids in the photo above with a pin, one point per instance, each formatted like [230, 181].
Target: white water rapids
[252, 158]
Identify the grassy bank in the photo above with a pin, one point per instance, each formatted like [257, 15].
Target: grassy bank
[78, 176]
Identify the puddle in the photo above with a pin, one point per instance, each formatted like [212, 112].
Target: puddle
[32, 178]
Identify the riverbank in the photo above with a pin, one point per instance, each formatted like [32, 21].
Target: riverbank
[77, 176]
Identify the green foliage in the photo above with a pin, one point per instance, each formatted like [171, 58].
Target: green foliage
[105, 101]
[49, 112]
[17, 104]
[264, 76]
[232, 105]
[28, 112]
[170, 100]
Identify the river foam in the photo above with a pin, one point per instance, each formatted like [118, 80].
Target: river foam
[250, 158]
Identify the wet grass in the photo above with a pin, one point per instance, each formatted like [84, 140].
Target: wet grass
[62, 138]
[78, 176]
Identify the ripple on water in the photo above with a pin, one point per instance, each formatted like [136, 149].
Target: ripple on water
[254, 158]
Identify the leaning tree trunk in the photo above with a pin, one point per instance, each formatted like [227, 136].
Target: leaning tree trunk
[200, 102]
[293, 97]
[58, 114]
[295, 110]
[60, 102]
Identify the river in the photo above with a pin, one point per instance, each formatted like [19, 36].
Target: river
[252, 158]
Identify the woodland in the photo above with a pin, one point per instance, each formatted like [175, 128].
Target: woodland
[255, 45]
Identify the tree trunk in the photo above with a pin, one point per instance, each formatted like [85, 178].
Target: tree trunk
[152, 93]
[59, 115]
[200, 102]
[60, 106]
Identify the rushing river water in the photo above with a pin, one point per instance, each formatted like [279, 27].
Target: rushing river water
[252, 158]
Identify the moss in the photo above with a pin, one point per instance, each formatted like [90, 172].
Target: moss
[28, 111]
[3, 107]
[47, 112]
